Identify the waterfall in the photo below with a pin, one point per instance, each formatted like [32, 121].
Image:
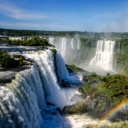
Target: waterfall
[24, 101]
[103, 58]
[63, 46]
[78, 44]
[51, 40]
[63, 72]
[46, 66]
[68, 47]
[72, 43]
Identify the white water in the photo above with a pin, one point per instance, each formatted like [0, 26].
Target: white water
[103, 59]
[46, 66]
[63, 47]
[51, 40]
[68, 47]
[23, 102]
[72, 43]
[78, 44]
[63, 72]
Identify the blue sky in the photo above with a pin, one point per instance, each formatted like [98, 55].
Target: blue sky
[67, 15]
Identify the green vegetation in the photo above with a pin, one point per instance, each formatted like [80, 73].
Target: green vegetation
[74, 69]
[113, 87]
[14, 32]
[7, 61]
[54, 51]
[101, 94]
[78, 108]
[33, 41]
[107, 92]
[123, 124]
[36, 41]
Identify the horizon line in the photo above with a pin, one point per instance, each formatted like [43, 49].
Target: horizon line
[18, 29]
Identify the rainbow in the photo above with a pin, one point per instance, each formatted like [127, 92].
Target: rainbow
[111, 112]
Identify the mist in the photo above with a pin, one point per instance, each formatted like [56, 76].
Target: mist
[67, 46]
[99, 58]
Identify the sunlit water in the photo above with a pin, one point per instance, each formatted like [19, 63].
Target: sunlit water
[32, 98]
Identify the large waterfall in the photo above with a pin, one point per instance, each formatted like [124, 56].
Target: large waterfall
[63, 72]
[68, 47]
[24, 101]
[103, 58]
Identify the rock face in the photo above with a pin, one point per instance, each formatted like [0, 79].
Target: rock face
[19, 48]
[6, 75]
[78, 108]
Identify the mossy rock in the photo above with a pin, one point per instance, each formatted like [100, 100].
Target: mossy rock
[78, 108]
[74, 69]
[54, 51]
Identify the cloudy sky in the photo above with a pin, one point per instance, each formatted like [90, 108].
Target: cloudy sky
[69, 15]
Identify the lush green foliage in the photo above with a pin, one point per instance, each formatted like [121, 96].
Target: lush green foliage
[78, 108]
[74, 69]
[106, 91]
[113, 87]
[101, 94]
[36, 41]
[54, 51]
[14, 32]
[7, 61]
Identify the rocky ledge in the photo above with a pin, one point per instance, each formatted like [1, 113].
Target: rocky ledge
[7, 74]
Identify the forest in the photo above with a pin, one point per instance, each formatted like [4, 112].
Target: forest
[16, 32]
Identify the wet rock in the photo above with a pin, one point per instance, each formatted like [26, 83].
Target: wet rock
[78, 108]
[7, 74]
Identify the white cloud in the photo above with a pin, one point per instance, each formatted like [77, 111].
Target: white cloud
[11, 10]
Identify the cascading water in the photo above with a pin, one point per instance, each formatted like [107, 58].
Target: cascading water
[78, 44]
[51, 40]
[46, 66]
[103, 58]
[63, 46]
[23, 102]
[63, 72]
[72, 44]
[68, 47]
